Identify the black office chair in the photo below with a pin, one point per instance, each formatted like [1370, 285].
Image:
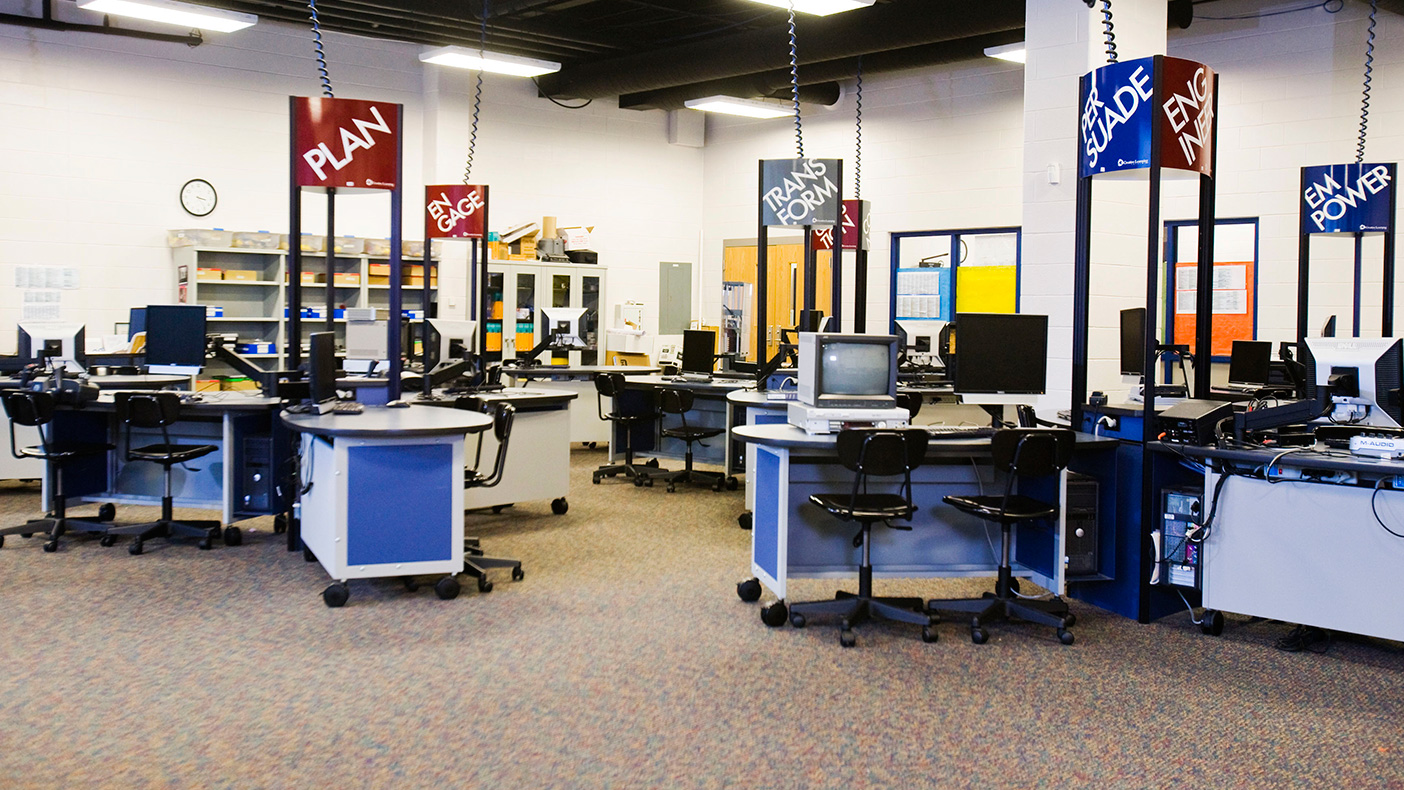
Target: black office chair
[475, 563]
[611, 385]
[1018, 453]
[36, 409]
[911, 401]
[679, 402]
[871, 453]
[151, 410]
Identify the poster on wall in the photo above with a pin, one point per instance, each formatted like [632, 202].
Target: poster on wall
[1233, 300]
[1119, 106]
[455, 211]
[799, 192]
[1351, 198]
[346, 143]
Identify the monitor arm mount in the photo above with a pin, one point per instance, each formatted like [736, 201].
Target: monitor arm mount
[268, 380]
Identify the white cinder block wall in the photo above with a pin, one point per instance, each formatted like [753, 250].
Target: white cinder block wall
[97, 134]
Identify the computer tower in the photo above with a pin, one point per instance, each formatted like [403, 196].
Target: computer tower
[1081, 516]
[256, 485]
[1178, 555]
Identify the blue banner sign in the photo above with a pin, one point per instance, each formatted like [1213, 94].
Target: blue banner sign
[799, 192]
[1116, 117]
[1348, 198]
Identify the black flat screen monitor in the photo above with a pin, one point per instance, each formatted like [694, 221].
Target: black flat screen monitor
[136, 322]
[1003, 354]
[175, 335]
[699, 347]
[1329, 328]
[1251, 362]
[1133, 341]
[321, 367]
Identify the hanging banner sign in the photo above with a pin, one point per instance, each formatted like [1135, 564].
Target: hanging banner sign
[455, 211]
[346, 143]
[1119, 106]
[823, 238]
[798, 192]
[852, 239]
[1348, 198]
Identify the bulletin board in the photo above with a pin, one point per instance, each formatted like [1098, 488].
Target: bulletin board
[1235, 291]
[938, 273]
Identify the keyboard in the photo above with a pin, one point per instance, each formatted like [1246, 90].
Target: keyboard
[347, 407]
[959, 431]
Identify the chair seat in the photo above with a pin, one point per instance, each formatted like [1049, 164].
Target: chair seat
[866, 507]
[1020, 508]
[61, 452]
[170, 453]
[692, 434]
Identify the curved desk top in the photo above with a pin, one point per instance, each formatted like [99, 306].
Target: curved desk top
[754, 399]
[379, 422]
[577, 371]
[711, 386]
[148, 381]
[528, 399]
[790, 437]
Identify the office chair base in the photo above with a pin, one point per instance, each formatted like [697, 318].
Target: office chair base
[206, 531]
[854, 610]
[1053, 613]
[641, 474]
[477, 565]
[713, 480]
[53, 528]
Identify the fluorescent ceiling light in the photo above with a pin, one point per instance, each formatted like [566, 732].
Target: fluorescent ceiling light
[173, 13]
[1011, 52]
[820, 7]
[730, 105]
[497, 63]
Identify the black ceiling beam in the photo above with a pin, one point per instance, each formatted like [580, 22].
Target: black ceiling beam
[876, 29]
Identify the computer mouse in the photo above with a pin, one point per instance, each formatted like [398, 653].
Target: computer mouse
[397, 404]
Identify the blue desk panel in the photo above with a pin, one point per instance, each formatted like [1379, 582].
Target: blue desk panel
[395, 512]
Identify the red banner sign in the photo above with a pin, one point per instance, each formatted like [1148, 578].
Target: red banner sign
[1187, 116]
[851, 237]
[823, 238]
[346, 143]
[455, 211]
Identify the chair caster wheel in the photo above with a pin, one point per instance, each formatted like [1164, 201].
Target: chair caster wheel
[591, 445]
[744, 520]
[447, 588]
[731, 484]
[797, 620]
[107, 541]
[1069, 620]
[672, 488]
[26, 534]
[1213, 623]
[987, 594]
[518, 574]
[233, 536]
[336, 595]
[107, 512]
[307, 555]
[638, 482]
[979, 636]
[206, 544]
[484, 586]
[135, 548]
[717, 486]
[596, 481]
[2, 540]
[559, 506]
[411, 585]
[847, 638]
[749, 590]
[496, 509]
[653, 462]
[929, 635]
[51, 546]
[1065, 636]
[775, 614]
[280, 525]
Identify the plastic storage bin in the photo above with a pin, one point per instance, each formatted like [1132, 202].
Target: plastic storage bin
[258, 240]
[199, 237]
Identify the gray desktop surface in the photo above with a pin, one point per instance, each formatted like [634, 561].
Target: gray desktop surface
[523, 399]
[1329, 460]
[754, 399]
[149, 381]
[788, 436]
[382, 422]
[659, 382]
[577, 371]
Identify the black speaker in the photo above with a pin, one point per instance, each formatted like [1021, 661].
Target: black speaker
[1081, 509]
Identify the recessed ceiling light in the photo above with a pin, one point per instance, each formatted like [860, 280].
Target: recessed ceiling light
[730, 105]
[1014, 53]
[495, 62]
[820, 7]
[173, 13]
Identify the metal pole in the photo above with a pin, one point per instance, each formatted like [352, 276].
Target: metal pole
[811, 268]
[1204, 295]
[1303, 269]
[1082, 269]
[762, 272]
[397, 200]
[294, 306]
[1148, 419]
[1387, 298]
[1359, 264]
[331, 259]
[860, 277]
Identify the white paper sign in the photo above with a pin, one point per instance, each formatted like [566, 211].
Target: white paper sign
[1230, 302]
[1184, 302]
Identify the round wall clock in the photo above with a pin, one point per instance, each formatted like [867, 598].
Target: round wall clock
[198, 197]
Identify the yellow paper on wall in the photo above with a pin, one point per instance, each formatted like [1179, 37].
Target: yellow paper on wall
[986, 289]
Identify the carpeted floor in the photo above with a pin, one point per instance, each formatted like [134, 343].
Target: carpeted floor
[626, 660]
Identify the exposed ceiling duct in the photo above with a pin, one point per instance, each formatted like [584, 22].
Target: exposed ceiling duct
[878, 29]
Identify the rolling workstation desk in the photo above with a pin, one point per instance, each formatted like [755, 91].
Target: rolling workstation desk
[383, 493]
[585, 424]
[710, 409]
[1310, 544]
[538, 449]
[793, 538]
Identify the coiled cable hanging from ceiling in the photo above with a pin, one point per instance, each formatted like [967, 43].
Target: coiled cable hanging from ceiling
[1109, 31]
[858, 159]
[477, 98]
[794, 83]
[321, 53]
[1365, 92]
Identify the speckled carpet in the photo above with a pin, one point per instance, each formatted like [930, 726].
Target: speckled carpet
[626, 660]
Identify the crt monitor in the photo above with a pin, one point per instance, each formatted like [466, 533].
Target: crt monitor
[450, 339]
[1328, 329]
[367, 345]
[564, 324]
[699, 350]
[1133, 341]
[1364, 376]
[321, 370]
[1001, 358]
[1250, 362]
[847, 371]
[175, 338]
[57, 341]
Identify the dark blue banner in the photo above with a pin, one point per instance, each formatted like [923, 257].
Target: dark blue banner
[1348, 198]
[1116, 118]
[798, 192]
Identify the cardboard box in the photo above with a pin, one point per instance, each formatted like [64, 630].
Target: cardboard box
[244, 275]
[209, 275]
[214, 311]
[418, 282]
[377, 279]
[575, 238]
[347, 279]
[254, 348]
[379, 269]
[309, 278]
[237, 384]
[206, 385]
[628, 358]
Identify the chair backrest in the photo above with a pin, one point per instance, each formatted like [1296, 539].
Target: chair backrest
[27, 407]
[148, 409]
[609, 384]
[911, 401]
[503, 415]
[675, 401]
[1032, 452]
[882, 453]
